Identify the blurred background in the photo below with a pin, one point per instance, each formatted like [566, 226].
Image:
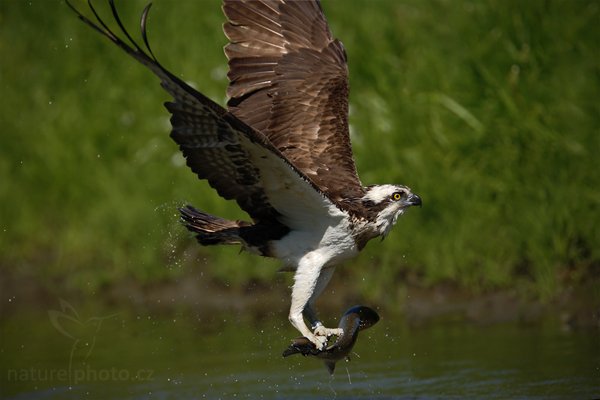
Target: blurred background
[489, 110]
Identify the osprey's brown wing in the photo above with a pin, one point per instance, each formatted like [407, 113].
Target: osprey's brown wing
[239, 162]
[289, 80]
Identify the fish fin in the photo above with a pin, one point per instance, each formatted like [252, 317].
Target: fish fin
[289, 351]
[301, 345]
[330, 366]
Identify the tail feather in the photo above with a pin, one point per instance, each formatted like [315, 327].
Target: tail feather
[211, 230]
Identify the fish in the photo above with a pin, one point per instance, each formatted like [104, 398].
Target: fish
[354, 320]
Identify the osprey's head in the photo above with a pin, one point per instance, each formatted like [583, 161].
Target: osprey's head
[387, 203]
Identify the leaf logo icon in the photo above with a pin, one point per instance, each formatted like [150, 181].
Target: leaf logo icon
[82, 332]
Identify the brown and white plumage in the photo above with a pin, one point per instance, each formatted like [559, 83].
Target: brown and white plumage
[281, 150]
[289, 80]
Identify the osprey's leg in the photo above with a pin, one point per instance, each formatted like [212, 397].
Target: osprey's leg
[309, 310]
[306, 281]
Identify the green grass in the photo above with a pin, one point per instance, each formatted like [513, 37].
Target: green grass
[489, 110]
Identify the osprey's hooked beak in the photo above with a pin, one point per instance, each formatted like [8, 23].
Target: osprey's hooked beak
[414, 200]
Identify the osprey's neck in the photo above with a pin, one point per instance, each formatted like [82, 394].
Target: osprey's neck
[377, 225]
[386, 219]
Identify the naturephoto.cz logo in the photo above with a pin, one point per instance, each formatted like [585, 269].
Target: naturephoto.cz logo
[82, 334]
[75, 376]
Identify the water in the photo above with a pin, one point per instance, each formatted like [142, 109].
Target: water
[68, 353]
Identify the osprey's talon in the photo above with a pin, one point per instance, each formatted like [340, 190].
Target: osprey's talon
[320, 341]
[320, 330]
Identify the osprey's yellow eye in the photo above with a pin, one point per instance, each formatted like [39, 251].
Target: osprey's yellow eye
[396, 196]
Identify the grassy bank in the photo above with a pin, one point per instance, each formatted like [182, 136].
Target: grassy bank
[488, 110]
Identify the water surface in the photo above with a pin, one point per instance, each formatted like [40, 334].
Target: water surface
[68, 353]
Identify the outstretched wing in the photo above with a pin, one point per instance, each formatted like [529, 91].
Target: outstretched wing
[239, 162]
[289, 80]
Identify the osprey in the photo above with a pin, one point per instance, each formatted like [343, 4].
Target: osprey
[281, 149]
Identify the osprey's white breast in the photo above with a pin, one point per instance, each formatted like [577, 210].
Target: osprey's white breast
[328, 238]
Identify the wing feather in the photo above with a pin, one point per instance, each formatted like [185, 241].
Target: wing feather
[289, 80]
[217, 146]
